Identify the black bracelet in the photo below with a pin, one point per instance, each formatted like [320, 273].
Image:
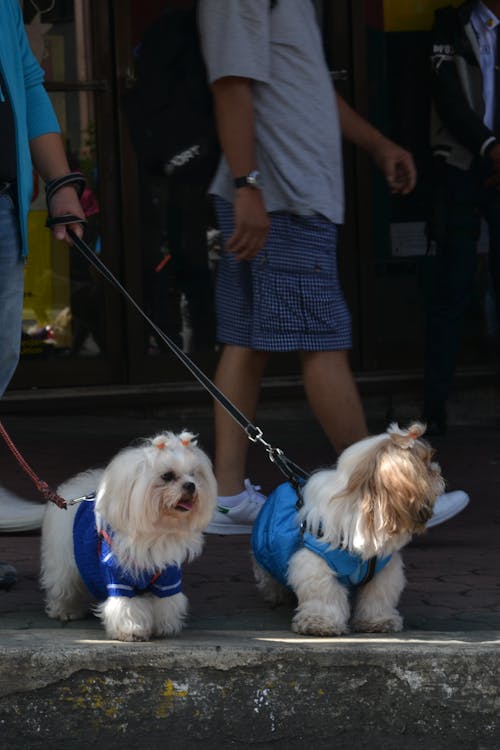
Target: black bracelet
[73, 178]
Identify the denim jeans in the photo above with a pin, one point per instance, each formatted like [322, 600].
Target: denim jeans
[11, 290]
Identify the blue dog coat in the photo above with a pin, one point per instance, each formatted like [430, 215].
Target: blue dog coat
[102, 574]
[277, 535]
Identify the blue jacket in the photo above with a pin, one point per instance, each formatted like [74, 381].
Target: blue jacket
[33, 112]
[102, 574]
[276, 536]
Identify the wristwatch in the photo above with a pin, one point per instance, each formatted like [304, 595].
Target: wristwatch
[252, 179]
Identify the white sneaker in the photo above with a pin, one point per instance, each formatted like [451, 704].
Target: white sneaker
[238, 520]
[18, 515]
[447, 506]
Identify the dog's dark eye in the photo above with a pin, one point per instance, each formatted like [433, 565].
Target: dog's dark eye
[168, 477]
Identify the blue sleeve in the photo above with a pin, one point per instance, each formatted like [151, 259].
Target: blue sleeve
[40, 114]
[116, 581]
[168, 583]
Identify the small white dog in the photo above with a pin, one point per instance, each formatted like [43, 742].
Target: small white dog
[347, 534]
[125, 550]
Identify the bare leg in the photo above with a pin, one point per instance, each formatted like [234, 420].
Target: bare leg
[238, 376]
[333, 397]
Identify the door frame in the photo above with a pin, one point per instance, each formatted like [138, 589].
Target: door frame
[345, 47]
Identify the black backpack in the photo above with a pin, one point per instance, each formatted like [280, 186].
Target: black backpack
[169, 111]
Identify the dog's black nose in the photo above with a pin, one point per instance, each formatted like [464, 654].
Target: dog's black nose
[189, 487]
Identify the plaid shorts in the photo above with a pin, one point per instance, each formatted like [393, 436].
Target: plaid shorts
[287, 298]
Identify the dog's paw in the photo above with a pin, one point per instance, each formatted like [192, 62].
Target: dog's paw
[313, 624]
[393, 624]
[169, 615]
[128, 636]
[164, 629]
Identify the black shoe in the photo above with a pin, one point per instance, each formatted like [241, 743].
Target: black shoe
[8, 575]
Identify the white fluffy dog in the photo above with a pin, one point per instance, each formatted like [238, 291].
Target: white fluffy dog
[125, 550]
[347, 534]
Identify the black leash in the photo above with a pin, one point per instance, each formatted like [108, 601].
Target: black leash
[290, 469]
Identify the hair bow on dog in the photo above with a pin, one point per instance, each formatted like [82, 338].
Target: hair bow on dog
[406, 438]
[169, 440]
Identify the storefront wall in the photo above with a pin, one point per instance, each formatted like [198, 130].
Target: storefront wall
[164, 247]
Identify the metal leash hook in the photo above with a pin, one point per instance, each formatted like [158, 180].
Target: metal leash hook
[290, 469]
[257, 436]
[84, 498]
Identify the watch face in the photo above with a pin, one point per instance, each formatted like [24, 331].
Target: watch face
[254, 179]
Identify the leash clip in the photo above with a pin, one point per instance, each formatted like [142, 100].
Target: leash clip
[83, 498]
[254, 434]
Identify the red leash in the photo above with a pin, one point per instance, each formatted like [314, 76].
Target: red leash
[42, 487]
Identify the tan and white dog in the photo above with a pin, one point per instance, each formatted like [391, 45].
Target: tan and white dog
[124, 550]
[354, 520]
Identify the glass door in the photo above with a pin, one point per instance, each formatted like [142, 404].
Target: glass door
[171, 245]
[71, 321]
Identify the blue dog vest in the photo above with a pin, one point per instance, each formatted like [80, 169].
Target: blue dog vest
[102, 574]
[277, 535]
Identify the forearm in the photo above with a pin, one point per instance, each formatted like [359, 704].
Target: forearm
[235, 123]
[356, 129]
[49, 157]
[394, 161]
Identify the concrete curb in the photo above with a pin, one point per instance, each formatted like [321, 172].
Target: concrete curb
[226, 688]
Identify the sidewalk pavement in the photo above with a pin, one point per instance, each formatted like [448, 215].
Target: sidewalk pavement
[237, 664]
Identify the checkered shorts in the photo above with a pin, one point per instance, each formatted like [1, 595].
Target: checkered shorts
[289, 297]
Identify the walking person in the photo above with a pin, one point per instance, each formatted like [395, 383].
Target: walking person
[465, 133]
[279, 199]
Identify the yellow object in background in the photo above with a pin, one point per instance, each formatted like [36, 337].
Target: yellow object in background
[412, 15]
[46, 275]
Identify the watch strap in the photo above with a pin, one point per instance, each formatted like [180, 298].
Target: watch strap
[241, 181]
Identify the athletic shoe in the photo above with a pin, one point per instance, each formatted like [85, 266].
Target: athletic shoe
[8, 575]
[447, 506]
[18, 515]
[238, 520]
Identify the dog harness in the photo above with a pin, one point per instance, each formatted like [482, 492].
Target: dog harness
[100, 571]
[277, 535]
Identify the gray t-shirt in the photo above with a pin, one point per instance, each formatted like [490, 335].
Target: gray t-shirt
[298, 142]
